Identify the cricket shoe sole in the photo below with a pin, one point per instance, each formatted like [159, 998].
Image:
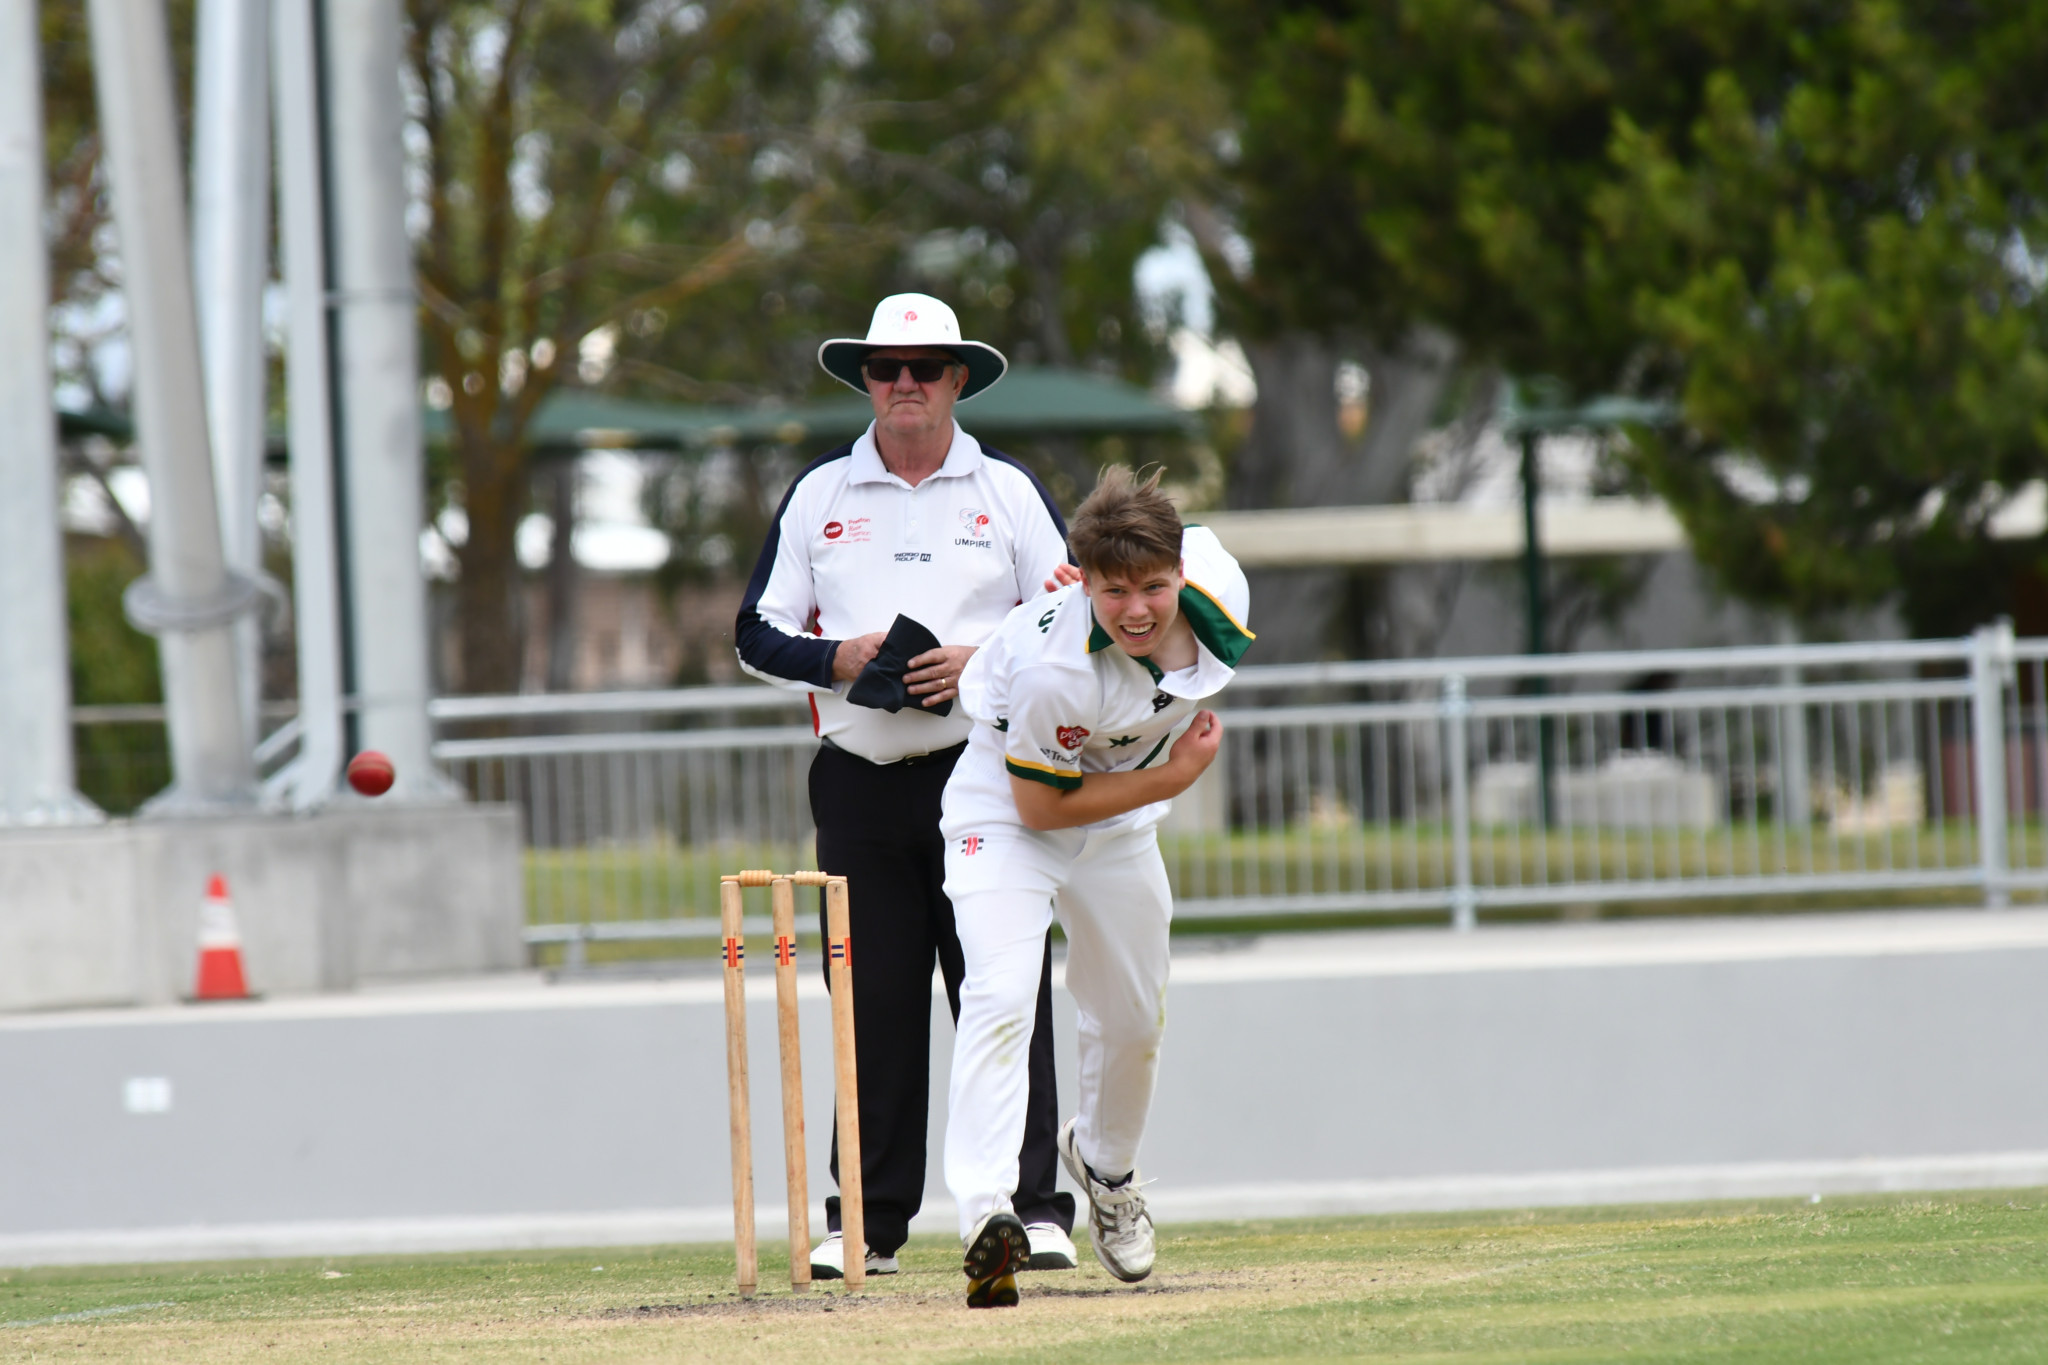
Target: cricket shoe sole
[996, 1250]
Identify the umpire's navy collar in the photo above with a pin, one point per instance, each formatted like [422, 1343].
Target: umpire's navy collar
[963, 458]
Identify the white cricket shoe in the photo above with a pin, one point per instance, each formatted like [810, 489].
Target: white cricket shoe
[1118, 1225]
[1051, 1248]
[828, 1260]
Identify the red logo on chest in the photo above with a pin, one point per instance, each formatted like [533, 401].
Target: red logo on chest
[1072, 736]
[833, 530]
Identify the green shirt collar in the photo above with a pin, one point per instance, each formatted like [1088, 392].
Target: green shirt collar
[1215, 630]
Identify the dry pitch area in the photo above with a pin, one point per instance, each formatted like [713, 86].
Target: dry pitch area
[1962, 1278]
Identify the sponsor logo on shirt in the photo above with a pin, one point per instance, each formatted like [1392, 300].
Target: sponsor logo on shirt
[1160, 701]
[912, 557]
[852, 531]
[1059, 756]
[975, 522]
[971, 845]
[1072, 736]
[1045, 621]
[833, 530]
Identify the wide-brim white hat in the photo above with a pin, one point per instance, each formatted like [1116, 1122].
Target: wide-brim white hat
[913, 320]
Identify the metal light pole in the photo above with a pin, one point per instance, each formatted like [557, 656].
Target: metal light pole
[189, 599]
[230, 265]
[313, 777]
[36, 777]
[1532, 549]
[383, 493]
[1530, 424]
[1538, 627]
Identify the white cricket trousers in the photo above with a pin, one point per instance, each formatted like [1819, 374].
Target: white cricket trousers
[1110, 893]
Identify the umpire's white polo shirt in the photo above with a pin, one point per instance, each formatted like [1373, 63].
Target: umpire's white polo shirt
[1055, 699]
[853, 545]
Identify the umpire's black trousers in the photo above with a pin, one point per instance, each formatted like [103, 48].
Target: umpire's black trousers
[878, 826]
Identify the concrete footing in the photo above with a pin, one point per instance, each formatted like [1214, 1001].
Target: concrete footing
[109, 915]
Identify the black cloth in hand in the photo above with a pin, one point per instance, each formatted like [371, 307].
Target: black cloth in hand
[881, 686]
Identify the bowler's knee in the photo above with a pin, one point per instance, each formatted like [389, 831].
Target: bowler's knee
[999, 1002]
[1131, 1023]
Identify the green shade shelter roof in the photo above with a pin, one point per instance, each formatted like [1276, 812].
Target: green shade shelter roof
[1028, 403]
[1042, 402]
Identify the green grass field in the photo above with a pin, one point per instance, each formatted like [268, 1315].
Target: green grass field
[1952, 1278]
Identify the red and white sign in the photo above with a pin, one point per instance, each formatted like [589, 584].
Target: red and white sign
[833, 530]
[1072, 736]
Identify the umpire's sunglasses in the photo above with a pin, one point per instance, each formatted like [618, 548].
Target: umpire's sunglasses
[884, 369]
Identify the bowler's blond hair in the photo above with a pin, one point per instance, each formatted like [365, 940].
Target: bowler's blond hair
[1126, 527]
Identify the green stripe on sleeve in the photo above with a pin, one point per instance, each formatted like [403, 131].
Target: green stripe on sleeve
[1065, 782]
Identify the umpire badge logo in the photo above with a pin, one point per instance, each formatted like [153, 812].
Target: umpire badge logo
[974, 522]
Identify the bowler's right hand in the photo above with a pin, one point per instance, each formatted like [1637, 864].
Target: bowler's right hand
[854, 655]
[1196, 749]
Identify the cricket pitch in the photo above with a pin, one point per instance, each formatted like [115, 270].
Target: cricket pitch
[1948, 1278]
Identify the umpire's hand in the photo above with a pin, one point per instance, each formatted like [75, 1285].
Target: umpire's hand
[855, 654]
[935, 674]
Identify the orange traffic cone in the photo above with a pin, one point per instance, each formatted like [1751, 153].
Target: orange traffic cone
[220, 947]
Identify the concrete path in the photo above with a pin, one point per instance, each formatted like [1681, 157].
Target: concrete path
[1403, 1069]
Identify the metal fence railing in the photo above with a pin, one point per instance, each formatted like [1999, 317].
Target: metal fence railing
[1451, 786]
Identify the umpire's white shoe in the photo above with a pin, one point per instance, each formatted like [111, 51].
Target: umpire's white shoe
[1051, 1248]
[828, 1260]
[1118, 1225]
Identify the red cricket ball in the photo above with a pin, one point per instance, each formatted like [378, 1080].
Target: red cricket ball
[370, 773]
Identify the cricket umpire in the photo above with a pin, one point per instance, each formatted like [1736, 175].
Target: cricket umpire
[916, 519]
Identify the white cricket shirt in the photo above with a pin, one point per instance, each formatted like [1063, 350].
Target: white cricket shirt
[853, 545]
[1054, 698]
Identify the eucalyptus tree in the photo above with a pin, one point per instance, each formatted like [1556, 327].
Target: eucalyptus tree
[540, 132]
[1817, 227]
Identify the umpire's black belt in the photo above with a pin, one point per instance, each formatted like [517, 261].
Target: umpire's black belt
[945, 755]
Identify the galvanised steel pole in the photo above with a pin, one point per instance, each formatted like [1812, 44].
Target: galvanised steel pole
[1991, 656]
[1795, 790]
[1456, 710]
[230, 265]
[36, 776]
[384, 480]
[189, 599]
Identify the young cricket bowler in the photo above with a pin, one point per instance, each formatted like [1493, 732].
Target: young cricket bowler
[1088, 721]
